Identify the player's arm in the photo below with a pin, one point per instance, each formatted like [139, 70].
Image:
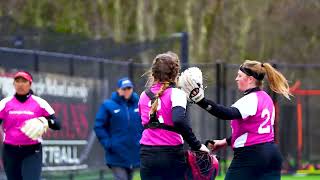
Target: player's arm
[229, 140]
[53, 122]
[220, 111]
[181, 122]
[34, 128]
[191, 83]
[49, 115]
[244, 107]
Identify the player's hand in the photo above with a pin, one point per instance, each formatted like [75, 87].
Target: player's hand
[204, 148]
[35, 128]
[217, 144]
[190, 81]
[196, 95]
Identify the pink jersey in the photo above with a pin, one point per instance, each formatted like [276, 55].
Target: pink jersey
[256, 126]
[171, 97]
[14, 115]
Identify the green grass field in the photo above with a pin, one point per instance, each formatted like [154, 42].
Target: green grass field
[94, 175]
[285, 177]
[316, 177]
[290, 178]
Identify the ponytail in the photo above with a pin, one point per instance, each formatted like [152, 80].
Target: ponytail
[165, 69]
[154, 105]
[277, 82]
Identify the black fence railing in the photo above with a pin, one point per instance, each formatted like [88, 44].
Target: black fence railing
[76, 85]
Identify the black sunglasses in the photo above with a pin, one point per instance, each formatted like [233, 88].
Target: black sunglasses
[127, 88]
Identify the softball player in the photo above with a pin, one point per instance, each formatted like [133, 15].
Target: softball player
[256, 156]
[25, 117]
[163, 113]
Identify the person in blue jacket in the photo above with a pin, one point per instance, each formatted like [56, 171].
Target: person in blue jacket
[118, 128]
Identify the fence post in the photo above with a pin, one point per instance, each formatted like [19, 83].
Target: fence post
[101, 70]
[308, 131]
[71, 67]
[131, 70]
[184, 49]
[36, 62]
[224, 101]
[218, 95]
[71, 176]
[101, 174]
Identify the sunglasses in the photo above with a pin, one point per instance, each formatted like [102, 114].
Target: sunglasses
[127, 88]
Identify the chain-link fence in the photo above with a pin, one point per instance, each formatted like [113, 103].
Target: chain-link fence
[15, 35]
[76, 85]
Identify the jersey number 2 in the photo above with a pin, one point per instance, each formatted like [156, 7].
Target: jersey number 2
[263, 129]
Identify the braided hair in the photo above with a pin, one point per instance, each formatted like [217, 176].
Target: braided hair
[165, 69]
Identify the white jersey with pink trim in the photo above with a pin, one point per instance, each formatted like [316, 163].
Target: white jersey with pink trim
[256, 126]
[14, 114]
[171, 97]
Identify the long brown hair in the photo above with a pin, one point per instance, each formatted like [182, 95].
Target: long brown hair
[165, 69]
[277, 82]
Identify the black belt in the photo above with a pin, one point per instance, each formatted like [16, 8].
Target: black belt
[22, 147]
[251, 146]
[157, 125]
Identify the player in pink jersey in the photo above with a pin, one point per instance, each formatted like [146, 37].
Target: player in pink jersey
[255, 154]
[163, 112]
[24, 119]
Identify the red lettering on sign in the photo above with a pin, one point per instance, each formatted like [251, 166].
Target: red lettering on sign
[74, 121]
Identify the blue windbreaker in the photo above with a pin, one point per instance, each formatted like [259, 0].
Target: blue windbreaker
[118, 128]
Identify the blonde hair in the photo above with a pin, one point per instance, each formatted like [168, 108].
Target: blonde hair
[277, 82]
[165, 69]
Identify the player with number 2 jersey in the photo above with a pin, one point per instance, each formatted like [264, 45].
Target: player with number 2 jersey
[256, 156]
[257, 117]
